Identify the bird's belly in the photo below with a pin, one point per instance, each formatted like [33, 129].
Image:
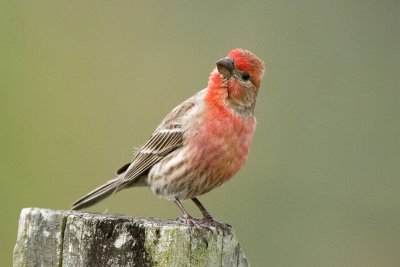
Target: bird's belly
[211, 156]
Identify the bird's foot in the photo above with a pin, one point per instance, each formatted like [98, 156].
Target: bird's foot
[210, 221]
[207, 222]
[190, 221]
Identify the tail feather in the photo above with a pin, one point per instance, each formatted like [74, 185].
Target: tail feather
[97, 194]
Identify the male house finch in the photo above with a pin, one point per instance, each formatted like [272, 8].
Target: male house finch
[200, 144]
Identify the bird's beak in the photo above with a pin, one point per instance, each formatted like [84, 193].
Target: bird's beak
[225, 67]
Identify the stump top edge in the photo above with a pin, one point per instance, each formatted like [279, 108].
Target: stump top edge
[141, 221]
[100, 216]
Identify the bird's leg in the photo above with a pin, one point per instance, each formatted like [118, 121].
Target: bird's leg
[186, 217]
[208, 219]
[206, 214]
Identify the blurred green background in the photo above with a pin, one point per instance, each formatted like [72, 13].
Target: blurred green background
[82, 83]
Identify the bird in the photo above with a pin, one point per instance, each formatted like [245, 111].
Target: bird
[202, 143]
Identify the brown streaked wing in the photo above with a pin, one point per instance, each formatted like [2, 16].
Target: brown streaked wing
[167, 137]
[160, 144]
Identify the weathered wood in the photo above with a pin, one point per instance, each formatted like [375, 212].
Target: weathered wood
[70, 238]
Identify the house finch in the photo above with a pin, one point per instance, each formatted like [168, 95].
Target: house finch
[200, 144]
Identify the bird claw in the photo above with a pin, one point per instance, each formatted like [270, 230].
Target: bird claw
[190, 221]
[210, 221]
[206, 222]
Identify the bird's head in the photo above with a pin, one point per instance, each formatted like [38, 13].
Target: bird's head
[239, 74]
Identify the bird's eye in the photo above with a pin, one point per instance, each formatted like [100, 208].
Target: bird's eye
[245, 76]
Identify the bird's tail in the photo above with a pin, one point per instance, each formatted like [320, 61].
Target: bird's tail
[97, 194]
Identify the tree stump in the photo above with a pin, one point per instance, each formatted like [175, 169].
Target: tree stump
[70, 238]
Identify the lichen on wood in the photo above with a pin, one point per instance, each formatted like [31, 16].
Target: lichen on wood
[70, 238]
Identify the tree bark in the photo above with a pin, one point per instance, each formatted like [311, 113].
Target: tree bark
[70, 238]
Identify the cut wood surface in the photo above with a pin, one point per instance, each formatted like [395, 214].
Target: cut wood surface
[71, 238]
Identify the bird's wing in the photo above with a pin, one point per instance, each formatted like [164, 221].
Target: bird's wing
[167, 137]
[160, 144]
